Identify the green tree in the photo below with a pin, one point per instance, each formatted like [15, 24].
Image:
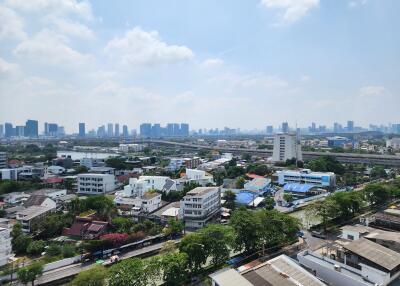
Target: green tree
[116, 162]
[36, 247]
[53, 250]
[327, 210]
[122, 224]
[30, 273]
[133, 272]
[174, 227]
[230, 198]
[20, 241]
[246, 227]
[95, 276]
[269, 203]
[233, 172]
[246, 156]
[288, 197]
[68, 251]
[174, 267]
[188, 187]
[54, 224]
[193, 245]
[378, 172]
[81, 169]
[217, 241]
[239, 184]
[376, 194]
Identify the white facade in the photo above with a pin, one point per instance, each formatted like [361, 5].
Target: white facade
[199, 206]
[91, 162]
[130, 148]
[95, 184]
[286, 147]
[306, 176]
[5, 245]
[56, 170]
[149, 202]
[15, 197]
[3, 160]
[8, 174]
[394, 143]
[32, 215]
[199, 176]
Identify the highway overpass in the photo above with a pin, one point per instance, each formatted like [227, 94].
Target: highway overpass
[387, 160]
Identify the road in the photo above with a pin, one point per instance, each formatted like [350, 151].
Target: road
[389, 160]
[71, 270]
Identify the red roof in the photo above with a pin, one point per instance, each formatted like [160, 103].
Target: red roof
[53, 180]
[254, 176]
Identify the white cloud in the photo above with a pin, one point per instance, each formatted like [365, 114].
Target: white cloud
[138, 47]
[6, 67]
[47, 47]
[72, 28]
[82, 9]
[211, 63]
[293, 10]
[357, 3]
[373, 91]
[11, 25]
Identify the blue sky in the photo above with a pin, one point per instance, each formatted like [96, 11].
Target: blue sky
[221, 63]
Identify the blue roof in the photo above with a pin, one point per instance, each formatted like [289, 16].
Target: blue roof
[244, 197]
[298, 188]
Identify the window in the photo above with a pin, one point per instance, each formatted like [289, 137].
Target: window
[351, 237]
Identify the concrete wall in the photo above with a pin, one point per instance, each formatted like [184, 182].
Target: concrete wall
[61, 263]
[329, 275]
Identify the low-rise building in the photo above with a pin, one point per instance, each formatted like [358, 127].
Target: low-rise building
[95, 184]
[3, 160]
[279, 271]
[32, 215]
[39, 200]
[56, 170]
[200, 205]
[306, 176]
[353, 260]
[199, 176]
[15, 198]
[5, 245]
[259, 185]
[89, 162]
[9, 174]
[53, 194]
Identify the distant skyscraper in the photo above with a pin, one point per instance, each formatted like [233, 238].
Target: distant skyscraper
[156, 130]
[110, 131]
[101, 131]
[125, 132]
[285, 127]
[350, 126]
[82, 129]
[20, 131]
[8, 130]
[1, 131]
[116, 130]
[46, 129]
[31, 128]
[170, 129]
[53, 129]
[184, 129]
[60, 131]
[270, 129]
[337, 127]
[177, 129]
[145, 129]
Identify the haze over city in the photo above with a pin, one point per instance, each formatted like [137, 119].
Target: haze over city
[243, 64]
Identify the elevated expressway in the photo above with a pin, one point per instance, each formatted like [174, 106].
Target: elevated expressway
[387, 160]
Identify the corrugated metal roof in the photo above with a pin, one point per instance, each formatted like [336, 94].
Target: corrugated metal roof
[374, 252]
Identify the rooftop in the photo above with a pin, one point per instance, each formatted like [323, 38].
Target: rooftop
[374, 252]
[150, 195]
[201, 191]
[32, 212]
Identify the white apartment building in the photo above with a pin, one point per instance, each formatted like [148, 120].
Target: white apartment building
[95, 184]
[199, 206]
[125, 148]
[199, 176]
[149, 202]
[306, 176]
[32, 215]
[393, 143]
[137, 187]
[55, 170]
[3, 160]
[9, 174]
[5, 245]
[91, 162]
[286, 147]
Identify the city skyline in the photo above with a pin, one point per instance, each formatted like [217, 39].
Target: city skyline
[251, 63]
